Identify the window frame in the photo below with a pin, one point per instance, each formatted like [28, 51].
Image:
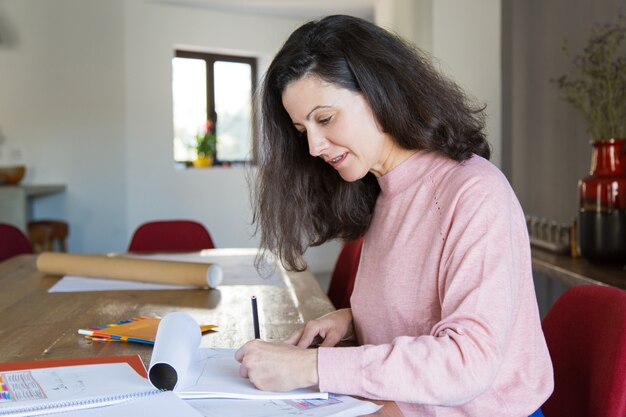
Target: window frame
[210, 58]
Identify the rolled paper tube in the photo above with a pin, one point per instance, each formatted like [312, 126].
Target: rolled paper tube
[176, 345]
[134, 269]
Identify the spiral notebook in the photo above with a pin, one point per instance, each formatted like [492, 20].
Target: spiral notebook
[74, 389]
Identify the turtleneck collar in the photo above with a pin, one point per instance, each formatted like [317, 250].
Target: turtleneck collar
[414, 169]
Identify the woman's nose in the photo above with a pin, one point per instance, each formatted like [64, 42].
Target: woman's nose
[317, 143]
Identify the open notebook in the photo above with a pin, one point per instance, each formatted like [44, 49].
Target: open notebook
[179, 364]
[113, 388]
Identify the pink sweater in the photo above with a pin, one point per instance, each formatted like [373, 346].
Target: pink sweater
[444, 305]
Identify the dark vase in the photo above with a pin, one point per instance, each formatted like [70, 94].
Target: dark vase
[602, 211]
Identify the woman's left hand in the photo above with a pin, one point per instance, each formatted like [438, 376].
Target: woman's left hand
[277, 366]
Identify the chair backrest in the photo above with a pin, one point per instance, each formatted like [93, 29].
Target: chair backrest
[12, 242]
[585, 331]
[344, 274]
[170, 236]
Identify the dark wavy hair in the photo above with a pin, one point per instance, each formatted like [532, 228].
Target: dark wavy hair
[301, 201]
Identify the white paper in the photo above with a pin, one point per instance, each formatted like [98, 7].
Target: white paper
[334, 406]
[71, 283]
[204, 373]
[219, 378]
[237, 266]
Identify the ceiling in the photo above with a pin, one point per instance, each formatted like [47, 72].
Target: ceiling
[307, 9]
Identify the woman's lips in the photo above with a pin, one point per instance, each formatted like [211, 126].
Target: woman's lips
[335, 162]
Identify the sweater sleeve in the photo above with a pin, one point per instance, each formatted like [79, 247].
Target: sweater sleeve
[478, 284]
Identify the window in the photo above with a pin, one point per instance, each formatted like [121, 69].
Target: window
[217, 88]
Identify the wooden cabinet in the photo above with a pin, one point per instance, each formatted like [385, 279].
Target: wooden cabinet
[554, 273]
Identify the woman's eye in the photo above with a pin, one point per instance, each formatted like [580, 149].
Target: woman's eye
[302, 133]
[325, 121]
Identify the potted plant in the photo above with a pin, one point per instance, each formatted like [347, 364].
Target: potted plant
[597, 85]
[206, 145]
[597, 88]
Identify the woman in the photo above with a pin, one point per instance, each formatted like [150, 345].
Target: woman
[361, 135]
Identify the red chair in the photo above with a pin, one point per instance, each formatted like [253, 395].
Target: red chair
[12, 242]
[344, 274]
[585, 331]
[171, 236]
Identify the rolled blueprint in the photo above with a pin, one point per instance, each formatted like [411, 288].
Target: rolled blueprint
[134, 269]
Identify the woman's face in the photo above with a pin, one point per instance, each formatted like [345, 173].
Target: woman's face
[339, 126]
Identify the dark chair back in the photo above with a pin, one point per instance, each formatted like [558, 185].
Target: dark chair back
[12, 242]
[170, 236]
[585, 331]
[344, 274]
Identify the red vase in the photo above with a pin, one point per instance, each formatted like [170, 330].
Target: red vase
[602, 211]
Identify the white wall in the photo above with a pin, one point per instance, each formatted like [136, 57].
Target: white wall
[62, 111]
[464, 39]
[411, 19]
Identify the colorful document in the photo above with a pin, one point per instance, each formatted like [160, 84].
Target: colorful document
[137, 329]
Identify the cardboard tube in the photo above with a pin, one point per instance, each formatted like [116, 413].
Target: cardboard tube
[118, 267]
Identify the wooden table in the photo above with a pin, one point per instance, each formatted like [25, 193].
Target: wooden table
[37, 325]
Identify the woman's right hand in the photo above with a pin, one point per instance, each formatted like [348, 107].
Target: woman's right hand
[331, 328]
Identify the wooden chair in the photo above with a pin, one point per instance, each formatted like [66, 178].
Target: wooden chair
[585, 331]
[12, 242]
[170, 236]
[344, 273]
[44, 234]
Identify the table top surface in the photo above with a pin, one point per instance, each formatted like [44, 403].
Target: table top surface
[37, 325]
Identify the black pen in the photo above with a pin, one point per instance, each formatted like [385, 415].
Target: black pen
[255, 318]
